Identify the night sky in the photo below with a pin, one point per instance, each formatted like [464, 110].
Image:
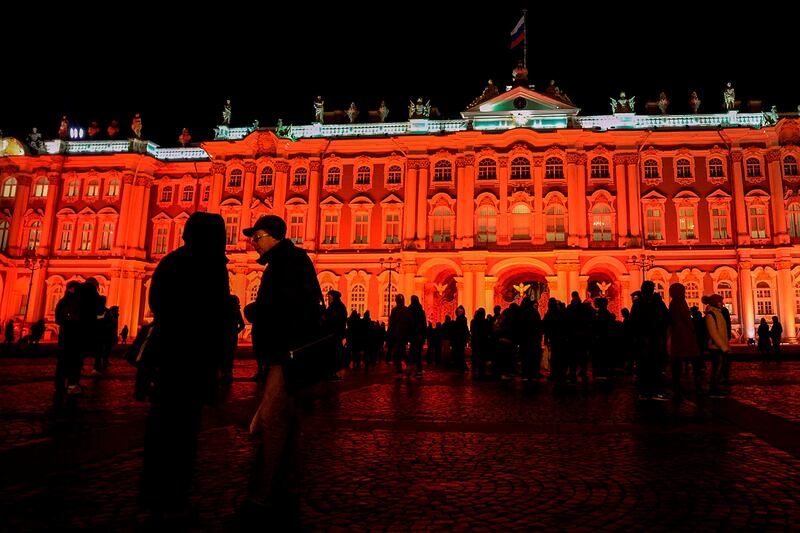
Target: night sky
[177, 71]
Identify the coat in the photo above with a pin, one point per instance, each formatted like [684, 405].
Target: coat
[717, 331]
[682, 337]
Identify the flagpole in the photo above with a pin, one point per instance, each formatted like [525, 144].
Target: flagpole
[525, 39]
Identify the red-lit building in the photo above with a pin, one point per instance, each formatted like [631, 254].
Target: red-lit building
[519, 195]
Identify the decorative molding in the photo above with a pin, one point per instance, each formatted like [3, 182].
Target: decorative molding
[250, 166]
[314, 166]
[218, 167]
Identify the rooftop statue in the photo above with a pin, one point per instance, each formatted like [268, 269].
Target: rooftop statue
[63, 129]
[694, 102]
[623, 105]
[519, 75]
[136, 126]
[226, 113]
[352, 112]
[488, 93]
[418, 109]
[184, 138]
[112, 129]
[771, 116]
[319, 110]
[663, 103]
[553, 91]
[383, 111]
[729, 97]
[35, 142]
[93, 130]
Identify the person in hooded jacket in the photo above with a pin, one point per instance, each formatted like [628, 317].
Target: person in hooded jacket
[718, 346]
[682, 340]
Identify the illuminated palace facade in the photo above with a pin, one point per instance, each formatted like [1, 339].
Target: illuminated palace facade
[519, 196]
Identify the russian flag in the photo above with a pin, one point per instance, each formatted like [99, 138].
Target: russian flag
[518, 33]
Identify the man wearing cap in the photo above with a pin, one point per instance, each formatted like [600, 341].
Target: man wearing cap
[285, 316]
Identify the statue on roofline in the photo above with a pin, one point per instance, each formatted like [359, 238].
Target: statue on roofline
[623, 105]
[418, 109]
[694, 102]
[226, 113]
[729, 97]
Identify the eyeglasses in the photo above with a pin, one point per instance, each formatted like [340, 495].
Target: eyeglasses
[256, 238]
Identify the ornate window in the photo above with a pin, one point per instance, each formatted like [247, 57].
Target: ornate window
[716, 168]
[555, 219]
[651, 169]
[34, 235]
[725, 290]
[113, 188]
[334, 177]
[790, 166]
[520, 168]
[162, 237]
[487, 169]
[394, 175]
[442, 221]
[758, 222]
[388, 298]
[692, 294]
[683, 169]
[231, 229]
[330, 233]
[554, 168]
[235, 179]
[93, 189]
[4, 229]
[719, 222]
[106, 236]
[363, 175]
[653, 217]
[300, 177]
[166, 195]
[265, 178]
[65, 245]
[599, 168]
[187, 195]
[753, 167]
[602, 230]
[392, 227]
[87, 232]
[358, 298]
[10, 188]
[686, 223]
[487, 224]
[253, 292]
[443, 171]
[797, 298]
[763, 299]
[521, 222]
[793, 215]
[297, 226]
[361, 232]
[73, 188]
[40, 188]
[206, 192]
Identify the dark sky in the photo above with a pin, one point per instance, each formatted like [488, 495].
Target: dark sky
[176, 66]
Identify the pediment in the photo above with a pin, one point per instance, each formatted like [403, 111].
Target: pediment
[521, 99]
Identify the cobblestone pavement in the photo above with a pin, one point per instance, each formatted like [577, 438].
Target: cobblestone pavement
[438, 453]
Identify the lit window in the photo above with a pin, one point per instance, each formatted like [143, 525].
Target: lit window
[106, 235]
[692, 294]
[793, 214]
[34, 235]
[40, 189]
[763, 299]
[392, 228]
[758, 222]
[719, 222]
[555, 224]
[93, 189]
[358, 299]
[601, 223]
[653, 224]
[686, 223]
[86, 236]
[4, 229]
[66, 237]
[162, 235]
[487, 224]
[520, 222]
[10, 188]
[725, 290]
[73, 188]
[231, 229]
[388, 298]
[296, 228]
[331, 229]
[442, 217]
[362, 229]
[113, 188]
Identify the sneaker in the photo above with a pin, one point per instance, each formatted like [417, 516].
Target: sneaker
[73, 390]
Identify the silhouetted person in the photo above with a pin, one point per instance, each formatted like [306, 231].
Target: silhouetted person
[235, 325]
[682, 340]
[417, 338]
[189, 294]
[459, 335]
[124, 334]
[480, 332]
[764, 340]
[530, 339]
[9, 332]
[68, 360]
[37, 331]
[603, 333]
[718, 347]
[579, 321]
[286, 316]
[775, 334]
[401, 324]
[649, 321]
[334, 320]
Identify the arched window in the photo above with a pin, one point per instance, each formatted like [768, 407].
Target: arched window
[231, 229]
[790, 166]
[87, 231]
[4, 229]
[253, 293]
[487, 169]
[600, 168]
[55, 295]
[683, 168]
[40, 189]
[187, 194]
[692, 294]
[758, 222]
[554, 168]
[106, 236]
[113, 188]
[162, 238]
[797, 299]
[395, 175]
[555, 224]
[520, 222]
[725, 290]
[487, 224]
[358, 298]
[520, 169]
[34, 235]
[659, 288]
[442, 217]
[716, 169]
[363, 175]
[93, 189]
[334, 178]
[297, 227]
[325, 288]
[166, 194]
[10, 188]
[388, 299]
[73, 188]
[651, 169]
[601, 223]
[443, 171]
[265, 179]
[763, 299]
[793, 215]
[300, 177]
[235, 179]
[753, 166]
